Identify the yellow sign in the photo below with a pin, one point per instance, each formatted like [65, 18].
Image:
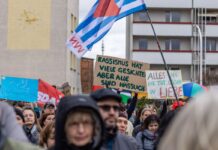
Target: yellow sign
[29, 24]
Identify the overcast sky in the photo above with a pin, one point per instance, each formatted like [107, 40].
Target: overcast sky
[114, 40]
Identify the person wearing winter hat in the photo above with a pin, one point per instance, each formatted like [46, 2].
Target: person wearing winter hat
[109, 106]
[49, 107]
[122, 122]
[78, 124]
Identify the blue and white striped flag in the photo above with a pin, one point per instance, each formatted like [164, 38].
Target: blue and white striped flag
[99, 21]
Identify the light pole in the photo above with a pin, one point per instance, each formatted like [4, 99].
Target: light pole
[201, 52]
[102, 47]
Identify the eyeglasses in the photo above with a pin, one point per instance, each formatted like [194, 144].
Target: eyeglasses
[107, 108]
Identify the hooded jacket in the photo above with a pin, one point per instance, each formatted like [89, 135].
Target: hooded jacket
[66, 105]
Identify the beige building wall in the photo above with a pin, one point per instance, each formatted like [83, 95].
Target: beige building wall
[33, 37]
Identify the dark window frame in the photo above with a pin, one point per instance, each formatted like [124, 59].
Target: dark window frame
[172, 16]
[172, 44]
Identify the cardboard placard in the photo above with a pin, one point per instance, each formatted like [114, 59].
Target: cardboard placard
[159, 87]
[120, 73]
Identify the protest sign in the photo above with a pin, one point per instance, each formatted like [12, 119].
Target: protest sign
[18, 89]
[159, 87]
[120, 73]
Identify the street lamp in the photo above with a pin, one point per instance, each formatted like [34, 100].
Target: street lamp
[201, 52]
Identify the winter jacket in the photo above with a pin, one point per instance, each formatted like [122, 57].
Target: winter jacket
[120, 142]
[9, 125]
[146, 140]
[66, 105]
[136, 130]
[10, 144]
[32, 134]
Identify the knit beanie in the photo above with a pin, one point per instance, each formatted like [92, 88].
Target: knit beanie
[123, 114]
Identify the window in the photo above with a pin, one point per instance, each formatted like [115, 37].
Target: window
[213, 69]
[73, 22]
[174, 68]
[211, 45]
[140, 16]
[209, 19]
[167, 45]
[143, 16]
[143, 44]
[172, 16]
[168, 16]
[73, 62]
[172, 44]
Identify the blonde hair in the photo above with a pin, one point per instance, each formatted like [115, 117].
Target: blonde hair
[195, 127]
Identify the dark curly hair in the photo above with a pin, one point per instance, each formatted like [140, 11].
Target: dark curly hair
[150, 119]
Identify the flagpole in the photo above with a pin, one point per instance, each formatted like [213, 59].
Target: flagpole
[161, 52]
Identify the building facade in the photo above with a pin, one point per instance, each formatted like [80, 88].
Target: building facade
[33, 37]
[175, 23]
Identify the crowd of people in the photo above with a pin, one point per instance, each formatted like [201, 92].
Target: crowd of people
[100, 121]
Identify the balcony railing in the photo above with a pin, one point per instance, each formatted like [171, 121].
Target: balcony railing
[171, 51]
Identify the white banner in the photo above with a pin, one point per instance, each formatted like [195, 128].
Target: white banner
[159, 87]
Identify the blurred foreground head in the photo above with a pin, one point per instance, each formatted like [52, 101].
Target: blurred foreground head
[195, 127]
[78, 124]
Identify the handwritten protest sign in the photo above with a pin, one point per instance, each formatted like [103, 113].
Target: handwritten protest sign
[120, 73]
[159, 87]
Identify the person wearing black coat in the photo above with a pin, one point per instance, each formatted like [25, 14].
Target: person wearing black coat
[78, 124]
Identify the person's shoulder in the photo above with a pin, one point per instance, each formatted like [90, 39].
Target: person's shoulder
[125, 142]
[139, 134]
[15, 145]
[126, 138]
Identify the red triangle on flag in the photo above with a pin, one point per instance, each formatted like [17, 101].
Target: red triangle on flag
[96, 87]
[106, 8]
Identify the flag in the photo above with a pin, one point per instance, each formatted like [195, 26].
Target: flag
[47, 93]
[125, 96]
[99, 21]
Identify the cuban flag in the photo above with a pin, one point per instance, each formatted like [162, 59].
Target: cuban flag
[99, 21]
